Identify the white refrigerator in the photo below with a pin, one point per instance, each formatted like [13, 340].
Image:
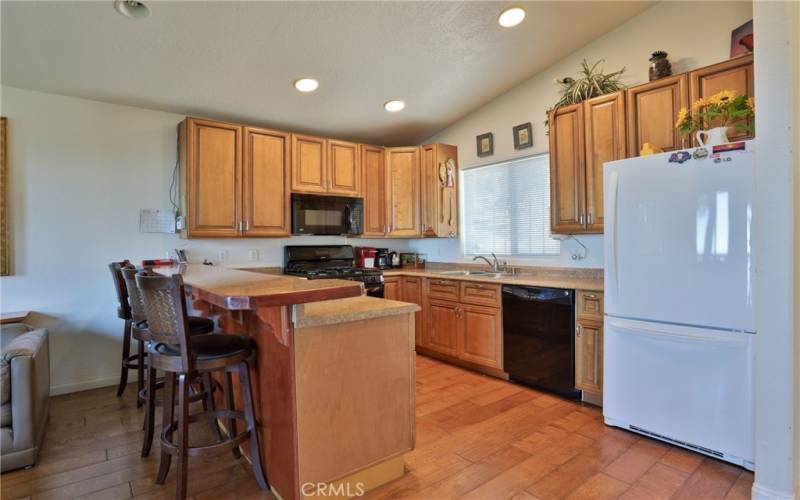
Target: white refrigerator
[679, 321]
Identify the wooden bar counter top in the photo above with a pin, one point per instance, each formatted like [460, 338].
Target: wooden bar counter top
[333, 377]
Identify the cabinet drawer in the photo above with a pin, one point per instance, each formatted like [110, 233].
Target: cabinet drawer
[590, 305]
[442, 289]
[481, 294]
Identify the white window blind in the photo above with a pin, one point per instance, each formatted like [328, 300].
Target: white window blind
[507, 208]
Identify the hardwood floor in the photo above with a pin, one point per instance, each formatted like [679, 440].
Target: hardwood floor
[477, 437]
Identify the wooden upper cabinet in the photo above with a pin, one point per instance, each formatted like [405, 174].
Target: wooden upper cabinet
[735, 74]
[439, 199]
[344, 168]
[374, 188]
[211, 165]
[604, 136]
[309, 164]
[265, 183]
[403, 191]
[567, 169]
[651, 112]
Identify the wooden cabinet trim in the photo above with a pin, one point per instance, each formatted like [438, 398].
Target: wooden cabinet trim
[403, 205]
[480, 294]
[589, 356]
[484, 347]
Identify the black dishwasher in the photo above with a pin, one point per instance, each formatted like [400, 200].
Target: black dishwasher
[538, 337]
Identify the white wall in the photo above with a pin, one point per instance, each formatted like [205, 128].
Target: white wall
[79, 173]
[683, 29]
[776, 231]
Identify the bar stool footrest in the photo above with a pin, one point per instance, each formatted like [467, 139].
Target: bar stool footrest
[169, 447]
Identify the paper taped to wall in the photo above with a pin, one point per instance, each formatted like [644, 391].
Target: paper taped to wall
[156, 221]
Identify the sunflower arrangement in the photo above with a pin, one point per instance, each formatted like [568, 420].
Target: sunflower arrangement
[722, 109]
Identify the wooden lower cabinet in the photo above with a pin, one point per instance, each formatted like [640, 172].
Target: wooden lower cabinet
[412, 292]
[589, 356]
[392, 288]
[589, 344]
[481, 335]
[443, 326]
[455, 326]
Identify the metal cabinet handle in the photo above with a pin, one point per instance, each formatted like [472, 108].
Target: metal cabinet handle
[578, 330]
[590, 295]
[589, 220]
[247, 225]
[580, 220]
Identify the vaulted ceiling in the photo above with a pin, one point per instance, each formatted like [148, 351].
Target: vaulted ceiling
[237, 60]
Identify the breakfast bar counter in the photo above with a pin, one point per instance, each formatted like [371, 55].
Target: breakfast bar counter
[333, 379]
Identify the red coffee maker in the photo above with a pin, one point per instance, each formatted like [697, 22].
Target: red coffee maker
[365, 257]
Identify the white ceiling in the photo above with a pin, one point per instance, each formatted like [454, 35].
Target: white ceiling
[237, 60]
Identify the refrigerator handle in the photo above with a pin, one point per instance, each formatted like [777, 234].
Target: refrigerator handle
[611, 228]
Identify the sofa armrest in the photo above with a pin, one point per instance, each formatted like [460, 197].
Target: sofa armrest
[29, 359]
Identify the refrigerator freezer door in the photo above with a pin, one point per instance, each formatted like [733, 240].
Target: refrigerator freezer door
[677, 242]
[685, 384]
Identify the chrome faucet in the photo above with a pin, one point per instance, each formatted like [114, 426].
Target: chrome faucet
[494, 266]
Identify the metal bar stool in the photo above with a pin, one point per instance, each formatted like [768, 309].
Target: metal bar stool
[129, 362]
[141, 332]
[182, 357]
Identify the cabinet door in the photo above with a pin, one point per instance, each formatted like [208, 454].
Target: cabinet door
[605, 141]
[344, 168]
[651, 111]
[213, 178]
[442, 327]
[265, 186]
[374, 170]
[392, 288]
[428, 177]
[481, 335]
[309, 164]
[412, 292]
[403, 191]
[567, 200]
[439, 191]
[589, 356]
[735, 74]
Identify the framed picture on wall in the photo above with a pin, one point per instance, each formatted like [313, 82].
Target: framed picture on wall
[523, 136]
[485, 144]
[742, 39]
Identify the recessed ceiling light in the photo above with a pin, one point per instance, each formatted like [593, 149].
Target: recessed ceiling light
[132, 9]
[394, 106]
[511, 17]
[306, 85]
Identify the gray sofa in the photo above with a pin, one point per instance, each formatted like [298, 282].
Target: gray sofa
[24, 394]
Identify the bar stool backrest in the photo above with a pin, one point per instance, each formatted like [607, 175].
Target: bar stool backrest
[124, 309]
[138, 312]
[165, 306]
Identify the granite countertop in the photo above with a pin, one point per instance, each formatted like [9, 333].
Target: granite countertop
[550, 278]
[346, 310]
[237, 289]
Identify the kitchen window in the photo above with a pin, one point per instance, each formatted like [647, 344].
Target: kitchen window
[507, 208]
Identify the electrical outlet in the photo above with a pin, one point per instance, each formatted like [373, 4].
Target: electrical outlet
[254, 254]
[180, 222]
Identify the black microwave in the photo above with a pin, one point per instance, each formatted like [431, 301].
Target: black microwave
[315, 214]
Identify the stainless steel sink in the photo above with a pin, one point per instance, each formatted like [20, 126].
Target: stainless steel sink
[484, 274]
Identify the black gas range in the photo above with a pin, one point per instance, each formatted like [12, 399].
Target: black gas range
[330, 262]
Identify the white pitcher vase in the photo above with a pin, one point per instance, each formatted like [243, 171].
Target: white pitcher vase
[715, 136]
